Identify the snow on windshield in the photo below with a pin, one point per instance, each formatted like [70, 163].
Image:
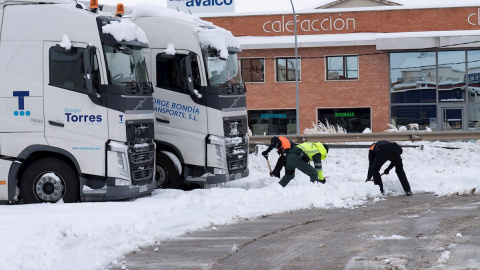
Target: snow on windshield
[208, 34]
[125, 30]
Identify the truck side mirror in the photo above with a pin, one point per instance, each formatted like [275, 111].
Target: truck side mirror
[189, 73]
[88, 71]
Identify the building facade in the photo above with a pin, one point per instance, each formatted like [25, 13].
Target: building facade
[361, 68]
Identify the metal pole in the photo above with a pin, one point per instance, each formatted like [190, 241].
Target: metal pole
[296, 69]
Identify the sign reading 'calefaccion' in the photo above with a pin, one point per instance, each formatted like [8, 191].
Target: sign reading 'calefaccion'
[329, 23]
[202, 6]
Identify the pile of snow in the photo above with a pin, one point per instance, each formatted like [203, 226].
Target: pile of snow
[125, 30]
[170, 50]
[208, 34]
[65, 43]
[91, 235]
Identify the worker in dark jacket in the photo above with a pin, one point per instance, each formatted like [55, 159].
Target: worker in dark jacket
[379, 153]
[299, 158]
[283, 146]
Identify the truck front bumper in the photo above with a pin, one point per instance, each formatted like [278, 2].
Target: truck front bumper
[210, 178]
[114, 193]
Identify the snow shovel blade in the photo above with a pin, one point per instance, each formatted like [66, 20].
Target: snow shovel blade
[372, 179]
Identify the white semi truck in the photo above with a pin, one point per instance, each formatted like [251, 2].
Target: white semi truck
[76, 113]
[199, 99]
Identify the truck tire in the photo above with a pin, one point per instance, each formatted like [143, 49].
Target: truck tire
[166, 174]
[49, 180]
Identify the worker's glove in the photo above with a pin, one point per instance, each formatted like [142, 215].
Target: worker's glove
[275, 173]
[265, 154]
[386, 171]
[323, 181]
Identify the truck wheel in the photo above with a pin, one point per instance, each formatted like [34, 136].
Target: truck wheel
[166, 174]
[49, 180]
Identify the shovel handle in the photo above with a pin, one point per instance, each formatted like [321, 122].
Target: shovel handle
[269, 167]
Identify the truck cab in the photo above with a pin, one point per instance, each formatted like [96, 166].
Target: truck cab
[76, 113]
[199, 99]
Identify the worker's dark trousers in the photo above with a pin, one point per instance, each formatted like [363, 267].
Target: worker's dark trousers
[394, 157]
[293, 162]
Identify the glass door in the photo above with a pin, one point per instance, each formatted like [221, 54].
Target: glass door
[452, 118]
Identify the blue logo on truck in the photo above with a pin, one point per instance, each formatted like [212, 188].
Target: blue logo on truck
[21, 103]
[76, 116]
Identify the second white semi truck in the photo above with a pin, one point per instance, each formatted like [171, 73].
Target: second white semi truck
[199, 99]
[76, 109]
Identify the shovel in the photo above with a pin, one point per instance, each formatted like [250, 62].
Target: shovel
[269, 167]
[372, 179]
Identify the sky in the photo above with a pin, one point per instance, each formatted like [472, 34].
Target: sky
[88, 236]
[285, 5]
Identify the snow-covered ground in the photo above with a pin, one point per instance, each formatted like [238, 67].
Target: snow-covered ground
[93, 235]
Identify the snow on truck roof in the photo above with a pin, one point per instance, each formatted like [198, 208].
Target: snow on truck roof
[22, 2]
[209, 35]
[125, 30]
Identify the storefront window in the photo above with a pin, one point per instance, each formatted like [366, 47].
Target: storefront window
[413, 77]
[451, 76]
[473, 116]
[473, 76]
[342, 67]
[253, 69]
[286, 69]
[272, 122]
[353, 120]
[423, 115]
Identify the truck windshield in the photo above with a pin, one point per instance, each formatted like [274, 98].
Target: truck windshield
[125, 64]
[222, 71]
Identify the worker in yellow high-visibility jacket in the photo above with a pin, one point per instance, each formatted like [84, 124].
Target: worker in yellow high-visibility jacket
[299, 158]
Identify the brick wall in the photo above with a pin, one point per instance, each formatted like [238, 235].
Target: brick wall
[370, 90]
[380, 21]
[372, 87]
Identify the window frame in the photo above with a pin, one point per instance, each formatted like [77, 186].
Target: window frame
[176, 88]
[286, 58]
[345, 108]
[55, 49]
[344, 64]
[269, 120]
[252, 58]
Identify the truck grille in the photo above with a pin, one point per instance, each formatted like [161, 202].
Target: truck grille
[141, 150]
[141, 158]
[236, 143]
[142, 176]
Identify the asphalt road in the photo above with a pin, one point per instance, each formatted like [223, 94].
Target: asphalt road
[418, 232]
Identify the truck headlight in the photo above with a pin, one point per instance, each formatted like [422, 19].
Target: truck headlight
[220, 149]
[122, 158]
[122, 163]
[220, 155]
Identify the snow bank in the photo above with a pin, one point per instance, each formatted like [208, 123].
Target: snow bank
[87, 236]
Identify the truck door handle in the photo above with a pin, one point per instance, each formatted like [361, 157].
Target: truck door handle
[53, 123]
[166, 121]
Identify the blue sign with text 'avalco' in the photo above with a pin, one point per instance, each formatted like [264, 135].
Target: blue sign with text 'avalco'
[202, 6]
